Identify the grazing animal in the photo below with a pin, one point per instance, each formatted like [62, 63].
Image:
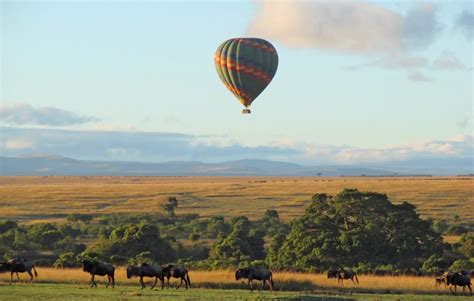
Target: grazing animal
[458, 279]
[333, 274]
[439, 280]
[346, 274]
[253, 273]
[146, 270]
[17, 265]
[98, 268]
[177, 272]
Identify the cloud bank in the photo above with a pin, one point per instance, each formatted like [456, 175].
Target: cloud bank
[25, 114]
[161, 147]
[465, 23]
[346, 26]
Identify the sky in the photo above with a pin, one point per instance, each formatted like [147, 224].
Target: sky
[358, 81]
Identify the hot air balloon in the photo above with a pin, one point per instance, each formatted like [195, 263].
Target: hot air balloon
[246, 66]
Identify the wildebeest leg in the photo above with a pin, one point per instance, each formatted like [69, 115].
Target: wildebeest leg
[31, 276]
[108, 278]
[168, 282]
[162, 282]
[180, 283]
[251, 285]
[141, 282]
[154, 284]
[263, 284]
[11, 277]
[18, 276]
[185, 282]
[451, 289]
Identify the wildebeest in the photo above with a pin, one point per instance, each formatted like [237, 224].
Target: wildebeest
[458, 279]
[346, 274]
[253, 273]
[333, 273]
[146, 270]
[17, 265]
[98, 268]
[177, 272]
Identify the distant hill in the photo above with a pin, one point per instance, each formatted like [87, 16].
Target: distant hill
[57, 165]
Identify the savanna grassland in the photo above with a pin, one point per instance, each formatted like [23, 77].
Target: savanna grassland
[34, 199]
[55, 283]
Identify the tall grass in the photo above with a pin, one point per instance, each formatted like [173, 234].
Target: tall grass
[285, 281]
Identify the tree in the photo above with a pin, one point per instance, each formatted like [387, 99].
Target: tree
[132, 239]
[245, 242]
[466, 245]
[169, 206]
[66, 260]
[355, 228]
[435, 264]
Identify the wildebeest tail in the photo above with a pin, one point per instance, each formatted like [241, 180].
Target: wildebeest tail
[34, 269]
[187, 278]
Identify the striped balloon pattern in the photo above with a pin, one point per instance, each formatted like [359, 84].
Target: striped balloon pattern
[246, 66]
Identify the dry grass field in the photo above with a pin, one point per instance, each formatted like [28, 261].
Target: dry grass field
[284, 281]
[34, 199]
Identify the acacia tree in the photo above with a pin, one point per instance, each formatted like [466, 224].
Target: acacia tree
[355, 228]
[245, 242]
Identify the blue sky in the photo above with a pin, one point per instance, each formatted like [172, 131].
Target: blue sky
[376, 80]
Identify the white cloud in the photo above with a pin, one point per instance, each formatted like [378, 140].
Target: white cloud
[447, 61]
[25, 114]
[17, 144]
[346, 26]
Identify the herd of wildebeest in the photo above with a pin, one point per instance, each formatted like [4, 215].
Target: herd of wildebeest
[164, 273]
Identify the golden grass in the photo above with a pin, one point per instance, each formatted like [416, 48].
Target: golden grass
[283, 281]
[452, 239]
[42, 198]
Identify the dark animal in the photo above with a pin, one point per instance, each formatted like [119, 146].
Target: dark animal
[177, 272]
[146, 270]
[344, 274]
[333, 274]
[19, 266]
[98, 268]
[253, 273]
[458, 279]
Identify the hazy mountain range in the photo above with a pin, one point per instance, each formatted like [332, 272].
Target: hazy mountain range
[58, 165]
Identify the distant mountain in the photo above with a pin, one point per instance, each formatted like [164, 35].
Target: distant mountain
[57, 165]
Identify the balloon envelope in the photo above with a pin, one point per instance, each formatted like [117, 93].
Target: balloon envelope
[246, 66]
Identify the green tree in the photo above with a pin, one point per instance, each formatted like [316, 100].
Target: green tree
[466, 245]
[245, 242]
[354, 228]
[170, 206]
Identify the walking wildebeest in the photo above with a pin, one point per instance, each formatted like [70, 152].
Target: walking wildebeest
[346, 274]
[177, 272]
[252, 273]
[19, 266]
[146, 270]
[333, 274]
[458, 279]
[97, 268]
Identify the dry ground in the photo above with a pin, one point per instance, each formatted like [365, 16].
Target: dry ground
[52, 198]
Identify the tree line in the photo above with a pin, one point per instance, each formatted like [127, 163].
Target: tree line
[360, 230]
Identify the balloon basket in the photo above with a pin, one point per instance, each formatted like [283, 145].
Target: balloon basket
[245, 111]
